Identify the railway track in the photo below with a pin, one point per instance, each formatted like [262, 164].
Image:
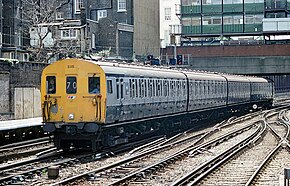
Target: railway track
[271, 170]
[29, 170]
[24, 149]
[241, 167]
[132, 167]
[154, 144]
[162, 158]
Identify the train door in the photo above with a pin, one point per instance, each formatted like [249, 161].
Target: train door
[111, 91]
[119, 97]
[72, 111]
[94, 97]
[50, 103]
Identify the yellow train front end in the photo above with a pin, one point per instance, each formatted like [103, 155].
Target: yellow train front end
[73, 95]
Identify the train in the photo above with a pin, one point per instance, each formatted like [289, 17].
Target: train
[91, 104]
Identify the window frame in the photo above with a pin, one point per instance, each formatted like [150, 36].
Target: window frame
[93, 81]
[110, 86]
[69, 34]
[77, 6]
[48, 78]
[122, 5]
[75, 88]
[167, 14]
[102, 14]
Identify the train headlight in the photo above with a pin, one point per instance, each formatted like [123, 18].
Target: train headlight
[255, 106]
[71, 116]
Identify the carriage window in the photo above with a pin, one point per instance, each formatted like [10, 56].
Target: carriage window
[136, 85]
[158, 87]
[133, 88]
[165, 88]
[161, 87]
[71, 85]
[94, 85]
[122, 89]
[140, 88]
[184, 88]
[154, 85]
[118, 87]
[178, 89]
[50, 85]
[172, 88]
[150, 91]
[110, 86]
[146, 82]
[130, 87]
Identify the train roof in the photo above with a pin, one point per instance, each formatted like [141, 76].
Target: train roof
[151, 71]
[134, 70]
[139, 71]
[257, 79]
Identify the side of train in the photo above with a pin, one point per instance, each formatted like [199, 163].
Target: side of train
[132, 101]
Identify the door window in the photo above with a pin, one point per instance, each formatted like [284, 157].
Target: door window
[94, 85]
[50, 85]
[71, 85]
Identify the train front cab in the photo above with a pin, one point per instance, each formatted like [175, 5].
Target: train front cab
[73, 102]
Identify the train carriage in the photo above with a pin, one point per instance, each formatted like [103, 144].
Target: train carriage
[239, 89]
[261, 88]
[139, 93]
[206, 90]
[89, 104]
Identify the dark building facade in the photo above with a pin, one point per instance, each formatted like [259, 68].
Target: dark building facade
[91, 26]
[1, 25]
[14, 38]
[109, 24]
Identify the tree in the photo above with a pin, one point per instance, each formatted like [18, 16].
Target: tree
[39, 17]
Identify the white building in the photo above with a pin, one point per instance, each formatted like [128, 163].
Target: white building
[169, 21]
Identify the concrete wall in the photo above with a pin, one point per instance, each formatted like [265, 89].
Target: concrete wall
[146, 27]
[258, 59]
[243, 65]
[22, 97]
[4, 94]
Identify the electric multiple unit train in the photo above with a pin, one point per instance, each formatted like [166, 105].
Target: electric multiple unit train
[89, 104]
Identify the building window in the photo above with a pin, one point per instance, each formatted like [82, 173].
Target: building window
[167, 12]
[12, 55]
[78, 5]
[249, 19]
[238, 19]
[228, 20]
[102, 14]
[93, 41]
[69, 34]
[211, 2]
[19, 39]
[122, 5]
[59, 15]
[190, 2]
